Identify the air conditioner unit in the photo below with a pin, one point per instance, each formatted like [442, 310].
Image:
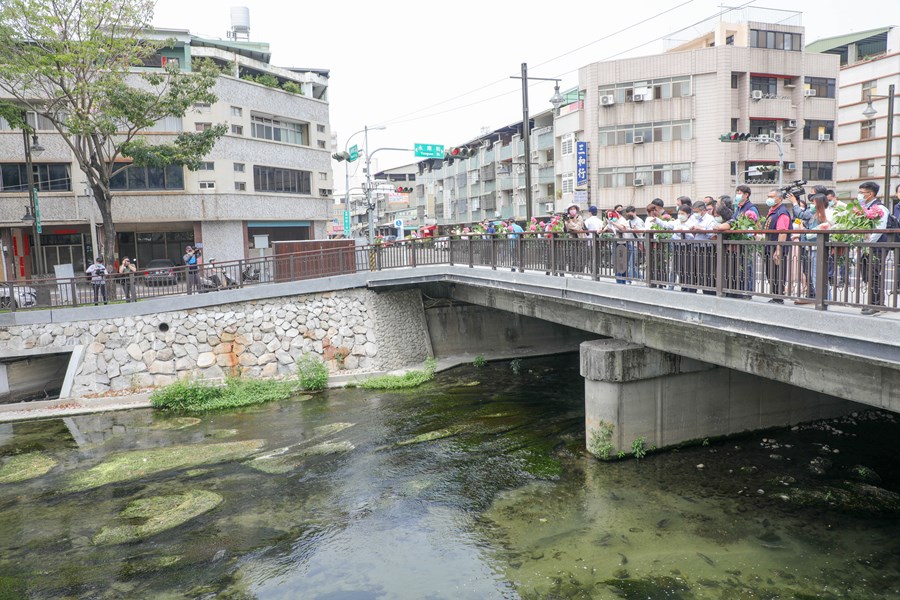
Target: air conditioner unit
[638, 182]
[763, 139]
[757, 95]
[638, 139]
[824, 137]
[549, 207]
[637, 98]
[791, 123]
[790, 166]
[809, 93]
[607, 100]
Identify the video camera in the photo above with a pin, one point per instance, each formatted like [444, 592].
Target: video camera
[794, 188]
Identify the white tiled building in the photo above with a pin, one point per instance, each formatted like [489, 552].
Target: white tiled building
[270, 174]
[653, 123]
[870, 62]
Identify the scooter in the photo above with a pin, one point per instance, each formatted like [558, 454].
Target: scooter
[250, 275]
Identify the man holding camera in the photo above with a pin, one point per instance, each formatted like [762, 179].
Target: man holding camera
[98, 273]
[191, 260]
[126, 272]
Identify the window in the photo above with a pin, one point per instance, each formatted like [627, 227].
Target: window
[323, 175]
[775, 40]
[279, 131]
[283, 181]
[207, 166]
[866, 168]
[43, 123]
[237, 129]
[817, 171]
[734, 80]
[734, 124]
[567, 145]
[148, 178]
[240, 186]
[867, 129]
[239, 167]
[729, 41]
[201, 106]
[760, 127]
[812, 129]
[766, 85]
[320, 128]
[47, 177]
[824, 86]
[202, 126]
[665, 131]
[868, 48]
[568, 183]
[166, 124]
[207, 185]
[648, 174]
[237, 111]
[321, 143]
[661, 89]
[868, 88]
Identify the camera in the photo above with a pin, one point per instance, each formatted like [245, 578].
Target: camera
[794, 188]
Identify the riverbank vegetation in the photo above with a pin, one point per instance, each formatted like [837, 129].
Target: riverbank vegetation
[398, 382]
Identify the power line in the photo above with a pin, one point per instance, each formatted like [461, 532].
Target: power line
[499, 81]
[477, 102]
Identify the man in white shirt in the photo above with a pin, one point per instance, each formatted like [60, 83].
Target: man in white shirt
[873, 260]
[593, 223]
[702, 226]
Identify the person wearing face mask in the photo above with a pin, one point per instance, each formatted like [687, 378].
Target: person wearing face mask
[615, 225]
[743, 206]
[777, 256]
[681, 250]
[872, 261]
[575, 252]
[702, 254]
[635, 248]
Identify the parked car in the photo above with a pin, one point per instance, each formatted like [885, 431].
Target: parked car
[22, 296]
[160, 271]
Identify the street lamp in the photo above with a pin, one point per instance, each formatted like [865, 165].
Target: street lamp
[33, 147]
[871, 112]
[345, 156]
[557, 100]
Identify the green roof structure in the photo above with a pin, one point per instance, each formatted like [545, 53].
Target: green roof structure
[826, 44]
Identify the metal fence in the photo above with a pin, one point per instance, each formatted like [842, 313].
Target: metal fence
[814, 269]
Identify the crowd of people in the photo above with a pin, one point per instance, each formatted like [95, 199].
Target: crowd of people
[790, 214]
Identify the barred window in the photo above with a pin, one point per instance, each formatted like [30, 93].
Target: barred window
[282, 181]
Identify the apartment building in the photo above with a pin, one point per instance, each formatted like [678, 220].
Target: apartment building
[652, 124]
[270, 175]
[869, 63]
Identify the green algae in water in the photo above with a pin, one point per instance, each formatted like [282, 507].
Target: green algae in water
[25, 466]
[134, 465]
[175, 424]
[331, 428]
[161, 513]
[437, 434]
[651, 588]
[279, 461]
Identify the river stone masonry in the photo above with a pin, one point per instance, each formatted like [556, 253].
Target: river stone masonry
[353, 331]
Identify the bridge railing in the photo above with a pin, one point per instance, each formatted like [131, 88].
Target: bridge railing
[820, 269]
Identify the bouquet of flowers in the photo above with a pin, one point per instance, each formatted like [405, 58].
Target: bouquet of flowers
[478, 228]
[855, 216]
[655, 226]
[556, 225]
[501, 227]
[535, 228]
[745, 222]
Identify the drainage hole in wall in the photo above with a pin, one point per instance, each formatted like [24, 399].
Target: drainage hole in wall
[164, 327]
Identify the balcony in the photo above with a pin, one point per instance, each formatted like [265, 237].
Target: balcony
[775, 108]
[505, 152]
[489, 186]
[544, 141]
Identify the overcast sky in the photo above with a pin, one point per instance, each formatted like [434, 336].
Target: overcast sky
[438, 72]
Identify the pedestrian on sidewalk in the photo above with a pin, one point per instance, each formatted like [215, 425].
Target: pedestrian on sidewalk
[98, 274]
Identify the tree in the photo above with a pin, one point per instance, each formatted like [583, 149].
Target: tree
[73, 62]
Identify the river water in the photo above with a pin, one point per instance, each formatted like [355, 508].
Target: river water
[475, 485]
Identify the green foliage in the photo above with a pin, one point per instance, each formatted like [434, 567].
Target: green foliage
[479, 361]
[398, 382]
[74, 63]
[515, 366]
[267, 80]
[639, 448]
[312, 373]
[290, 86]
[193, 395]
[620, 455]
[600, 443]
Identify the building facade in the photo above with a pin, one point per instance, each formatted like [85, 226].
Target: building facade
[870, 62]
[269, 175]
[653, 123]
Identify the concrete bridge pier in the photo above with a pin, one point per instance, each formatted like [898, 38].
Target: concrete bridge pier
[633, 392]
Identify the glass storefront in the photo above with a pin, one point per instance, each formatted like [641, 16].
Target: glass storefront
[149, 246]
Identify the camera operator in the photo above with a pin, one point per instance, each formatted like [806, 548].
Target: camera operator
[191, 260]
[98, 273]
[574, 224]
[126, 271]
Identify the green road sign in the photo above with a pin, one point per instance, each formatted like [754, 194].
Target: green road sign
[346, 223]
[37, 212]
[354, 153]
[429, 150]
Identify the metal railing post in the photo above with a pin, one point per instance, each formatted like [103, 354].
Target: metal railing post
[12, 297]
[648, 259]
[821, 268]
[412, 258]
[493, 252]
[595, 256]
[520, 252]
[720, 265]
[471, 251]
[551, 255]
[74, 291]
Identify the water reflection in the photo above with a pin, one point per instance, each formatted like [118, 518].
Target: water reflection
[474, 486]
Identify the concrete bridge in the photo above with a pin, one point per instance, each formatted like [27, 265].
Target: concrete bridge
[665, 366]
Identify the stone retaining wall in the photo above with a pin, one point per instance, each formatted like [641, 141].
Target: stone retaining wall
[354, 330]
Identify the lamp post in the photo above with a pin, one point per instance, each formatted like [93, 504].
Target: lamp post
[345, 156]
[369, 205]
[32, 146]
[557, 100]
[871, 112]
